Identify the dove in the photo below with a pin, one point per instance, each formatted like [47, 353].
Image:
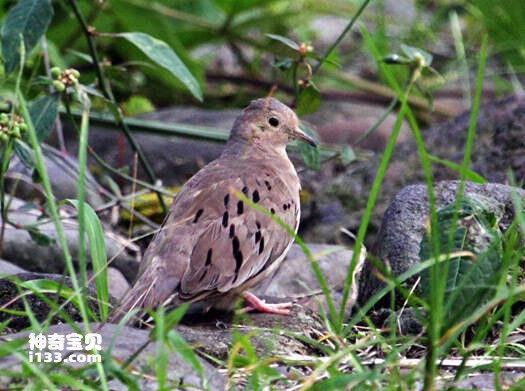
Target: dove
[212, 246]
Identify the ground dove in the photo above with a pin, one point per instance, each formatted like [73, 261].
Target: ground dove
[213, 246]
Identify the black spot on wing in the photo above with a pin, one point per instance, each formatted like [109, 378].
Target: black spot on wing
[208, 257]
[258, 236]
[240, 207]
[245, 191]
[255, 196]
[237, 254]
[261, 246]
[198, 215]
[268, 186]
[232, 231]
[226, 200]
[225, 217]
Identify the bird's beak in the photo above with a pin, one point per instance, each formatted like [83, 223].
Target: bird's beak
[299, 134]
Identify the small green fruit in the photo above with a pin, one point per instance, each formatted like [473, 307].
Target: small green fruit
[15, 132]
[59, 86]
[4, 118]
[74, 73]
[23, 127]
[55, 72]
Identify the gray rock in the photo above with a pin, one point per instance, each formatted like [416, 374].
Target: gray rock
[20, 249]
[508, 380]
[8, 268]
[63, 175]
[269, 333]
[128, 341]
[117, 283]
[403, 224]
[296, 279]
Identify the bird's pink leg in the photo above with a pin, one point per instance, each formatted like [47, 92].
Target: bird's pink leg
[256, 304]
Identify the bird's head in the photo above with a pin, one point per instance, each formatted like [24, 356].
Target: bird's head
[268, 122]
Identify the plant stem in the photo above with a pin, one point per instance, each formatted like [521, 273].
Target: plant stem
[107, 93]
[40, 166]
[101, 161]
[341, 36]
[6, 156]
[374, 127]
[58, 123]
[81, 192]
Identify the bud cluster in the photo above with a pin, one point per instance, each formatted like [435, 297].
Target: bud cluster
[305, 48]
[11, 126]
[63, 79]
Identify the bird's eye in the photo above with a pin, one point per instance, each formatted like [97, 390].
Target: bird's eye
[274, 122]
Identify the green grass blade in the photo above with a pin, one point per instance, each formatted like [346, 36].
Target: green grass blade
[97, 248]
[186, 352]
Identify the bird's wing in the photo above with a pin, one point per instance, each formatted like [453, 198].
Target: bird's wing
[211, 242]
[235, 242]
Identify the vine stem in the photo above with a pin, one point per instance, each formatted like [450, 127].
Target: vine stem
[108, 95]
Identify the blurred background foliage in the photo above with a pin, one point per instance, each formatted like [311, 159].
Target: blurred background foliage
[224, 44]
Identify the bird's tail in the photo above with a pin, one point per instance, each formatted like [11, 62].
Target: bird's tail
[147, 293]
[136, 298]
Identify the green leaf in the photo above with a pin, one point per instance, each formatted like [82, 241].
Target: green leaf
[286, 41]
[161, 358]
[28, 19]
[173, 318]
[284, 64]
[308, 100]
[347, 154]
[170, 320]
[43, 114]
[470, 175]
[97, 248]
[411, 52]
[310, 155]
[40, 238]
[24, 153]
[341, 381]
[8, 347]
[471, 280]
[185, 351]
[136, 105]
[159, 52]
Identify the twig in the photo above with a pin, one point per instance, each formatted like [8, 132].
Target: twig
[508, 362]
[107, 93]
[372, 92]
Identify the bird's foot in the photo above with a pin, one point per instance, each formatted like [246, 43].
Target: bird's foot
[256, 304]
